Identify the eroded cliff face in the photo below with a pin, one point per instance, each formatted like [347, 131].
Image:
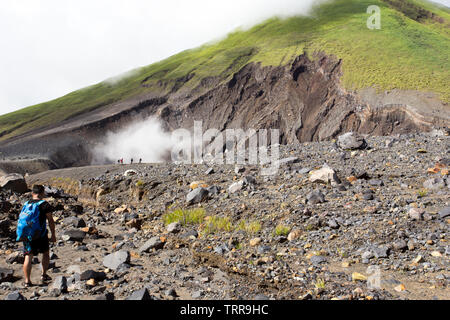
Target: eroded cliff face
[304, 100]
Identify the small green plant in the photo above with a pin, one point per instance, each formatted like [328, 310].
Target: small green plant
[249, 227]
[282, 230]
[320, 284]
[185, 217]
[422, 193]
[215, 224]
[140, 184]
[342, 253]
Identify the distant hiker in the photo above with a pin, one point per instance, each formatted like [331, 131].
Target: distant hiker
[131, 160]
[32, 231]
[121, 161]
[118, 161]
[140, 161]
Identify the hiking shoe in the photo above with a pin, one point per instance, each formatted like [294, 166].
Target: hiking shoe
[27, 284]
[45, 278]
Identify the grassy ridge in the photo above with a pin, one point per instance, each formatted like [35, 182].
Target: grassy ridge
[404, 54]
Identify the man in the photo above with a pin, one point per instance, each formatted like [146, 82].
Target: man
[40, 245]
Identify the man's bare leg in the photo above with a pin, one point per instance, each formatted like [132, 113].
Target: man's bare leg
[27, 265]
[45, 263]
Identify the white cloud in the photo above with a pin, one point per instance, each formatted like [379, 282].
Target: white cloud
[52, 47]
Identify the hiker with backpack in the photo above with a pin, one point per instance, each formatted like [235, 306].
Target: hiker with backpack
[32, 231]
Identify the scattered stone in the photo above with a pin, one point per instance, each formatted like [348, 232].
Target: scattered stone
[444, 213]
[15, 296]
[351, 141]
[324, 175]
[434, 184]
[316, 260]
[15, 257]
[235, 187]
[294, 235]
[153, 243]
[6, 275]
[75, 222]
[60, 283]
[254, 242]
[140, 295]
[114, 260]
[197, 196]
[400, 245]
[73, 235]
[174, 227]
[13, 182]
[315, 197]
[130, 173]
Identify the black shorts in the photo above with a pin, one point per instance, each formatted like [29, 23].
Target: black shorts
[36, 246]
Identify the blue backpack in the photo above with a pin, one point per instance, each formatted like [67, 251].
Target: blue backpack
[28, 226]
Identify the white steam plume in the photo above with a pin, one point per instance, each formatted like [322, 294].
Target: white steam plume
[144, 140]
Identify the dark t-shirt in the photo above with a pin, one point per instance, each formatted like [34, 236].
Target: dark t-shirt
[44, 208]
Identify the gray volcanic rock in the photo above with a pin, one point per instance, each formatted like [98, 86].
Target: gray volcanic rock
[197, 195]
[74, 235]
[15, 296]
[444, 213]
[153, 243]
[114, 260]
[14, 182]
[351, 141]
[6, 274]
[140, 295]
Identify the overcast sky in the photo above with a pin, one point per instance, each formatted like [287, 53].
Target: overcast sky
[52, 47]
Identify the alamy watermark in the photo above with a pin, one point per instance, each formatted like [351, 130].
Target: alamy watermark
[374, 21]
[231, 146]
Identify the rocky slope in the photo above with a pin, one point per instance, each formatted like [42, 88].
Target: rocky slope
[311, 231]
[311, 77]
[304, 100]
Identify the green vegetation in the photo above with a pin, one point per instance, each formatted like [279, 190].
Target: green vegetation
[215, 224]
[422, 193]
[282, 230]
[406, 53]
[185, 217]
[320, 284]
[140, 184]
[249, 227]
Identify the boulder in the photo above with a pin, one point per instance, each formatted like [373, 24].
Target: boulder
[416, 214]
[130, 173]
[434, 183]
[174, 227]
[60, 284]
[235, 187]
[198, 195]
[91, 274]
[140, 295]
[315, 197]
[15, 257]
[15, 296]
[114, 260]
[153, 243]
[106, 296]
[14, 182]
[73, 235]
[6, 275]
[351, 141]
[324, 175]
[444, 213]
[75, 222]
